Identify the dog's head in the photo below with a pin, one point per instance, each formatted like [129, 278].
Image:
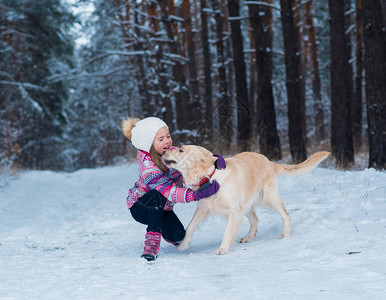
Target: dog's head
[194, 162]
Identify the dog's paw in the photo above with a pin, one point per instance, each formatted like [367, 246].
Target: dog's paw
[283, 235]
[246, 239]
[222, 251]
[183, 246]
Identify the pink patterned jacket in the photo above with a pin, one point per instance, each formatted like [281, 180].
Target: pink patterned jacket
[151, 178]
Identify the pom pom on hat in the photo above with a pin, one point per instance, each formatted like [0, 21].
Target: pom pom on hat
[144, 132]
[127, 125]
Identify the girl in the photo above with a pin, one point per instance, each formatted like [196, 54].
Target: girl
[158, 188]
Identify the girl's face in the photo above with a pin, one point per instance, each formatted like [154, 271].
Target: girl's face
[163, 140]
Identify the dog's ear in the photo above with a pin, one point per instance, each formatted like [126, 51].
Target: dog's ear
[207, 160]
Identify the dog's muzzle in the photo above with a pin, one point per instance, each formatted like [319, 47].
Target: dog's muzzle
[169, 162]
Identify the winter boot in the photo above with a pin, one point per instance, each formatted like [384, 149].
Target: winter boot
[176, 244]
[152, 244]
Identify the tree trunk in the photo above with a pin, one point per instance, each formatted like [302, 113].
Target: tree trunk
[179, 87]
[315, 75]
[223, 103]
[298, 21]
[242, 99]
[140, 61]
[137, 61]
[172, 12]
[229, 69]
[375, 69]
[197, 42]
[194, 106]
[252, 79]
[208, 94]
[383, 5]
[165, 110]
[348, 30]
[341, 134]
[292, 62]
[261, 21]
[356, 112]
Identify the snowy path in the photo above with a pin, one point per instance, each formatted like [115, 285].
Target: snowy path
[70, 236]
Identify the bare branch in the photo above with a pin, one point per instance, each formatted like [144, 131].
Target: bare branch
[25, 85]
[262, 3]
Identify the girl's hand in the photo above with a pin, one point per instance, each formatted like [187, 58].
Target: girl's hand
[220, 162]
[207, 191]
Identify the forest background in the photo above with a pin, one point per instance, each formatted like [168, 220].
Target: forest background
[284, 78]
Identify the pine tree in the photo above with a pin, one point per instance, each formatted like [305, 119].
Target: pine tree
[37, 47]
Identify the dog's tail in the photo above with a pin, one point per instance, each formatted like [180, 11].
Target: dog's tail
[302, 168]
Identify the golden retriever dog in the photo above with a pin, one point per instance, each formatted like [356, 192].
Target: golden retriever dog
[249, 180]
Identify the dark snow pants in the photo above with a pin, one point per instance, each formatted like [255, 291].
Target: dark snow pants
[148, 210]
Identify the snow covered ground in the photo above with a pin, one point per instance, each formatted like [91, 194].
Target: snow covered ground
[70, 236]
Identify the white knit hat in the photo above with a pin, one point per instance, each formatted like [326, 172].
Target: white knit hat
[144, 132]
